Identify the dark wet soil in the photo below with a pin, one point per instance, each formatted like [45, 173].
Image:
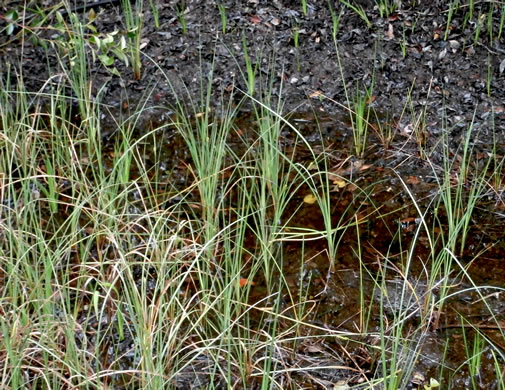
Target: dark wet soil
[457, 82]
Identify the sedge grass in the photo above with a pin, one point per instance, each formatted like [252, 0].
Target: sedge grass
[459, 204]
[251, 70]
[335, 20]
[501, 23]
[155, 12]
[453, 7]
[304, 6]
[359, 10]
[134, 19]
[181, 15]
[474, 356]
[224, 20]
[386, 7]
[102, 267]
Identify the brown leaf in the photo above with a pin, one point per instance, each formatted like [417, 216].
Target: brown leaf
[315, 94]
[314, 348]
[244, 282]
[389, 33]
[414, 180]
[364, 167]
[371, 99]
[254, 19]
[351, 168]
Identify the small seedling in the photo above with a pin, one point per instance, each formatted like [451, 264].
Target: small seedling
[156, 14]
[222, 14]
[296, 42]
[251, 70]
[52, 187]
[489, 23]
[474, 355]
[452, 9]
[335, 20]
[403, 43]
[134, 19]
[469, 14]
[502, 21]
[385, 129]
[471, 6]
[489, 75]
[360, 11]
[360, 120]
[386, 7]
[480, 24]
[181, 15]
[11, 18]
[296, 37]
[304, 6]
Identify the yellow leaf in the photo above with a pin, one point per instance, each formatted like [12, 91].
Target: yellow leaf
[340, 183]
[433, 384]
[310, 199]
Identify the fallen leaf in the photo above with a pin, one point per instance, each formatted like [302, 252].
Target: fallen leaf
[389, 32]
[314, 348]
[413, 180]
[350, 169]
[454, 45]
[433, 384]
[339, 182]
[371, 99]
[310, 199]
[418, 378]
[244, 282]
[407, 130]
[315, 94]
[254, 19]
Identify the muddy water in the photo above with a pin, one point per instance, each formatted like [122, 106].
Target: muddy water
[391, 227]
[375, 274]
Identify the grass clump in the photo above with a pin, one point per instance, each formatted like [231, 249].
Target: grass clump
[119, 268]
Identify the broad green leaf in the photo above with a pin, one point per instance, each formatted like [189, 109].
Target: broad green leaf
[92, 27]
[96, 40]
[106, 60]
[108, 40]
[114, 71]
[121, 55]
[122, 43]
[11, 15]
[92, 15]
